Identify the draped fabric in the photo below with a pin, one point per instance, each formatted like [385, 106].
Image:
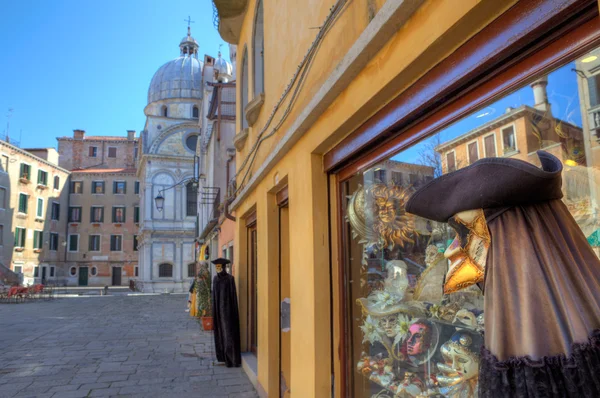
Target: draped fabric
[542, 306]
[226, 320]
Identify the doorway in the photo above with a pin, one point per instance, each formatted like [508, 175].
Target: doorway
[44, 269]
[83, 276]
[252, 288]
[116, 276]
[285, 332]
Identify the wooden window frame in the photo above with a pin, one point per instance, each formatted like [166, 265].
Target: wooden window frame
[476, 142]
[485, 152]
[453, 152]
[514, 132]
[530, 39]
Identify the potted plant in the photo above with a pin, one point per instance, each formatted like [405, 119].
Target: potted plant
[204, 302]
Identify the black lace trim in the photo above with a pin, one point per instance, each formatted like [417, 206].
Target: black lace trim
[576, 375]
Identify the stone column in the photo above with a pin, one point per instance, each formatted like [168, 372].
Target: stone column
[148, 199]
[178, 203]
[178, 261]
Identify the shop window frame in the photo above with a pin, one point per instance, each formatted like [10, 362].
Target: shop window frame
[481, 75]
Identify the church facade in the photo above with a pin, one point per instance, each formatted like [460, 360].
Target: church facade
[174, 120]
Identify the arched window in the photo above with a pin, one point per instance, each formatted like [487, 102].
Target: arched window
[258, 45]
[244, 87]
[191, 199]
[165, 271]
[191, 141]
[195, 112]
[164, 111]
[191, 270]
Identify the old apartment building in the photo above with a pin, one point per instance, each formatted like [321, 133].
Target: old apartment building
[32, 218]
[103, 208]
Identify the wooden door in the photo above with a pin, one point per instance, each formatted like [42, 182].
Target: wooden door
[44, 275]
[285, 333]
[116, 276]
[252, 289]
[83, 276]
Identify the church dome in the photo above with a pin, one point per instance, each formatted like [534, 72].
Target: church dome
[181, 77]
[223, 68]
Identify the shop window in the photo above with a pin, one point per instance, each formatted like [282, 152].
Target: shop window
[403, 334]
[508, 139]
[56, 182]
[75, 214]
[191, 270]
[77, 187]
[165, 271]
[53, 243]
[23, 203]
[490, 146]
[473, 150]
[97, 187]
[112, 152]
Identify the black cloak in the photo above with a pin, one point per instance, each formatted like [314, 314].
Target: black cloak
[226, 320]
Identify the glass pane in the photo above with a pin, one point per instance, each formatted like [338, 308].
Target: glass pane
[403, 330]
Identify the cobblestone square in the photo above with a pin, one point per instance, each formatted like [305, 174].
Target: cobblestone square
[122, 346]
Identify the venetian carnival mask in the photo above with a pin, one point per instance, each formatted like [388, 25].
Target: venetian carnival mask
[467, 254]
[388, 325]
[461, 361]
[419, 339]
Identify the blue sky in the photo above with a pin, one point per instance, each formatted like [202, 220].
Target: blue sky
[87, 64]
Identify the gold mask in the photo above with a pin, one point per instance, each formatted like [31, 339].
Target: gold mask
[467, 254]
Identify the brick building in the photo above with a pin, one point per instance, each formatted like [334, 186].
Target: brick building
[103, 208]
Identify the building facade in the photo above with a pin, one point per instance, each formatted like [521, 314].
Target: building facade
[33, 214]
[319, 111]
[103, 212]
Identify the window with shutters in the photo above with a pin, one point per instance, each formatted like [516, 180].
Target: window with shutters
[25, 172]
[379, 175]
[116, 243]
[94, 245]
[38, 239]
[55, 212]
[112, 152]
[473, 150]
[4, 163]
[450, 161]
[2, 198]
[93, 151]
[39, 212]
[74, 243]
[165, 271]
[75, 214]
[53, 243]
[97, 214]
[23, 202]
[397, 177]
[119, 187]
[20, 237]
[136, 188]
[97, 187]
[489, 143]
[136, 214]
[56, 182]
[77, 187]
[42, 178]
[118, 214]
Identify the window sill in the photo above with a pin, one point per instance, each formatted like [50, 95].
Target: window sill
[19, 249]
[240, 139]
[22, 215]
[117, 224]
[24, 181]
[39, 219]
[74, 224]
[42, 186]
[95, 224]
[510, 153]
[37, 250]
[253, 108]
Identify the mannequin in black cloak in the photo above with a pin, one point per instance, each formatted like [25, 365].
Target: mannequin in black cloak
[226, 316]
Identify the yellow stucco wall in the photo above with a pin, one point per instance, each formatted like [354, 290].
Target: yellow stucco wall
[437, 28]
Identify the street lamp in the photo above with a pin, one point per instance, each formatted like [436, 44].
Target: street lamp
[159, 201]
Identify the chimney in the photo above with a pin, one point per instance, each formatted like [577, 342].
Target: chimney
[131, 135]
[540, 95]
[78, 134]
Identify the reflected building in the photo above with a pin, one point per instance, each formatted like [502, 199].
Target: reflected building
[400, 173]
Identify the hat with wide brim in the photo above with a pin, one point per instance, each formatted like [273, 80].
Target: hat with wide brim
[486, 184]
[408, 308]
[221, 261]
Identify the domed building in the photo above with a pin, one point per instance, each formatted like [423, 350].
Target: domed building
[174, 121]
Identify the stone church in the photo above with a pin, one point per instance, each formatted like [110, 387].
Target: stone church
[177, 105]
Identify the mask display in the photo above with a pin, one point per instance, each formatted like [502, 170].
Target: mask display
[460, 369]
[468, 252]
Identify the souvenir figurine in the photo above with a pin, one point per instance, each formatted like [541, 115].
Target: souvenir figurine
[421, 341]
[410, 387]
[540, 277]
[429, 285]
[459, 372]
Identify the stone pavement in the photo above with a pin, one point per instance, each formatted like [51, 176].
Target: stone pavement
[142, 346]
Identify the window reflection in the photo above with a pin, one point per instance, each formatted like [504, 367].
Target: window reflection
[408, 339]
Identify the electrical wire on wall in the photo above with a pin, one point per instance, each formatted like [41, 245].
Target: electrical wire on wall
[294, 87]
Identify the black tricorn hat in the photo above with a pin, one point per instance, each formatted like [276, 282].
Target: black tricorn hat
[221, 261]
[486, 184]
